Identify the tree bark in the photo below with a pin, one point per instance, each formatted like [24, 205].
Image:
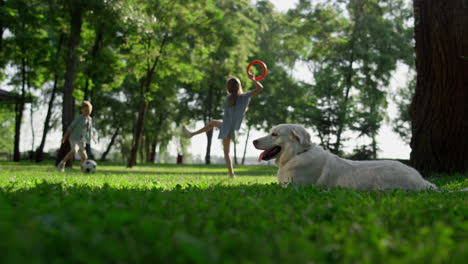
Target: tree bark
[245, 147]
[152, 154]
[40, 149]
[439, 110]
[209, 137]
[348, 80]
[71, 69]
[111, 143]
[142, 148]
[19, 107]
[138, 133]
[33, 135]
[208, 118]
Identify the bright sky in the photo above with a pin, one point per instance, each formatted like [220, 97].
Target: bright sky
[284, 5]
[390, 144]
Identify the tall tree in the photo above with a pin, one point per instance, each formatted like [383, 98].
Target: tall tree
[26, 50]
[352, 53]
[75, 10]
[439, 111]
[55, 71]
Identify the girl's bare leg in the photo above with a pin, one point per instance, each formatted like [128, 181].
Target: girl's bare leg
[226, 146]
[212, 124]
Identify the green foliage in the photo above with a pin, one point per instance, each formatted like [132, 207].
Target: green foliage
[175, 56]
[401, 123]
[7, 127]
[196, 214]
[283, 99]
[229, 40]
[353, 48]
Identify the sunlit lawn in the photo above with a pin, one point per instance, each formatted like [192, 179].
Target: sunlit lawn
[196, 214]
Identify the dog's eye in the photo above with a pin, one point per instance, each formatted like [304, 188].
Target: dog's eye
[274, 134]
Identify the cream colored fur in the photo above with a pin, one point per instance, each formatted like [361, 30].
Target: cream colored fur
[303, 162]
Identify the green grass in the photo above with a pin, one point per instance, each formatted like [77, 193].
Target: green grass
[196, 214]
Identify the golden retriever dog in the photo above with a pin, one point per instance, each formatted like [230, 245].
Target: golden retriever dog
[302, 162]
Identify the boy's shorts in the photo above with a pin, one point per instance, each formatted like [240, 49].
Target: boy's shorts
[77, 146]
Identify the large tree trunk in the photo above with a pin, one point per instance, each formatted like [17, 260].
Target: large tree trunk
[111, 143]
[40, 149]
[439, 111]
[71, 69]
[19, 107]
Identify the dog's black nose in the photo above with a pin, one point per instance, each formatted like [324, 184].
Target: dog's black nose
[255, 142]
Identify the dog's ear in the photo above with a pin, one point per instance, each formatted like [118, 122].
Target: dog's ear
[302, 137]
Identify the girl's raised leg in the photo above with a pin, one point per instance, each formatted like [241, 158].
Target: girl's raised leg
[212, 124]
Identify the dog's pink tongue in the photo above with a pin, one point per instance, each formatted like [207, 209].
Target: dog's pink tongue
[261, 155]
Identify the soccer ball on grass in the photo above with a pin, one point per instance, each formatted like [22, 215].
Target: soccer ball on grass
[89, 166]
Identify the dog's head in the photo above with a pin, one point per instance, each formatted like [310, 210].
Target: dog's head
[283, 143]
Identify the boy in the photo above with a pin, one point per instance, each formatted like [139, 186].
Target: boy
[80, 132]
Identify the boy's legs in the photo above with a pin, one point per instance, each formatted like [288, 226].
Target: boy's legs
[68, 156]
[83, 156]
[74, 147]
[226, 146]
[61, 165]
[212, 124]
[80, 145]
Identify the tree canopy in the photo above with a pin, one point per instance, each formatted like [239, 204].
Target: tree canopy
[150, 66]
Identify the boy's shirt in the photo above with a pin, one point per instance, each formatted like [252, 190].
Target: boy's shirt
[81, 129]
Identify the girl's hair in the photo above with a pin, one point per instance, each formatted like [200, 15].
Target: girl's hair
[88, 105]
[234, 88]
